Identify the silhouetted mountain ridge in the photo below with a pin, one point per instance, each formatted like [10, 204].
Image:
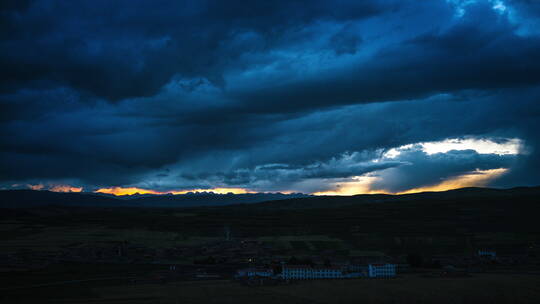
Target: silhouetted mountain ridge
[462, 194]
[33, 198]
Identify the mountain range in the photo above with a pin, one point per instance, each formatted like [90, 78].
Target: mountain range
[35, 198]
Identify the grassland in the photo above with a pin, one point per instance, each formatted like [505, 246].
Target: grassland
[429, 224]
[411, 289]
[54, 238]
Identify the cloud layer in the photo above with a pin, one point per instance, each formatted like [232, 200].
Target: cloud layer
[267, 96]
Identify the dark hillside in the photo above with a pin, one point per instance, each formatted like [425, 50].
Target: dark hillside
[33, 198]
[443, 222]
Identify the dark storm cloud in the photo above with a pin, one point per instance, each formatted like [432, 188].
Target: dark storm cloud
[14, 5]
[483, 42]
[347, 165]
[262, 94]
[346, 41]
[132, 48]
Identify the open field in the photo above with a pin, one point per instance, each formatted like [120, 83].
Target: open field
[55, 238]
[410, 289]
[44, 237]
[429, 224]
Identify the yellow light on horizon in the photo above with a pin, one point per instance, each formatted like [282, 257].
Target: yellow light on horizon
[478, 178]
[65, 188]
[55, 188]
[359, 185]
[125, 191]
[36, 187]
[362, 185]
[135, 190]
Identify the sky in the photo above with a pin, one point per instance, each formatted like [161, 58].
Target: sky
[324, 97]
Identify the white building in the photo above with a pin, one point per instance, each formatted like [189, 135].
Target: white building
[254, 272]
[302, 272]
[487, 254]
[381, 270]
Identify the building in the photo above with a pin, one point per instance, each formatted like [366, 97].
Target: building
[303, 272]
[381, 270]
[255, 272]
[487, 254]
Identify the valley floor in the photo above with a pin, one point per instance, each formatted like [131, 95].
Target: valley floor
[412, 288]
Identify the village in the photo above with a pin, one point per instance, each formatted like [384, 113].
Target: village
[252, 262]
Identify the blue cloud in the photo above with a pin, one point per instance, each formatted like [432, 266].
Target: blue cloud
[213, 93]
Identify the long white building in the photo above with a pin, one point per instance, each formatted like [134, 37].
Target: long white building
[255, 272]
[304, 272]
[381, 270]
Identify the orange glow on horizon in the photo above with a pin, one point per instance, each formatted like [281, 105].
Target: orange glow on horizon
[359, 185]
[478, 178]
[65, 188]
[362, 185]
[135, 190]
[35, 187]
[125, 191]
[54, 188]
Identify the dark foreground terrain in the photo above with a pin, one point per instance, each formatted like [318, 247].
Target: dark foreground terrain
[102, 254]
[485, 288]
